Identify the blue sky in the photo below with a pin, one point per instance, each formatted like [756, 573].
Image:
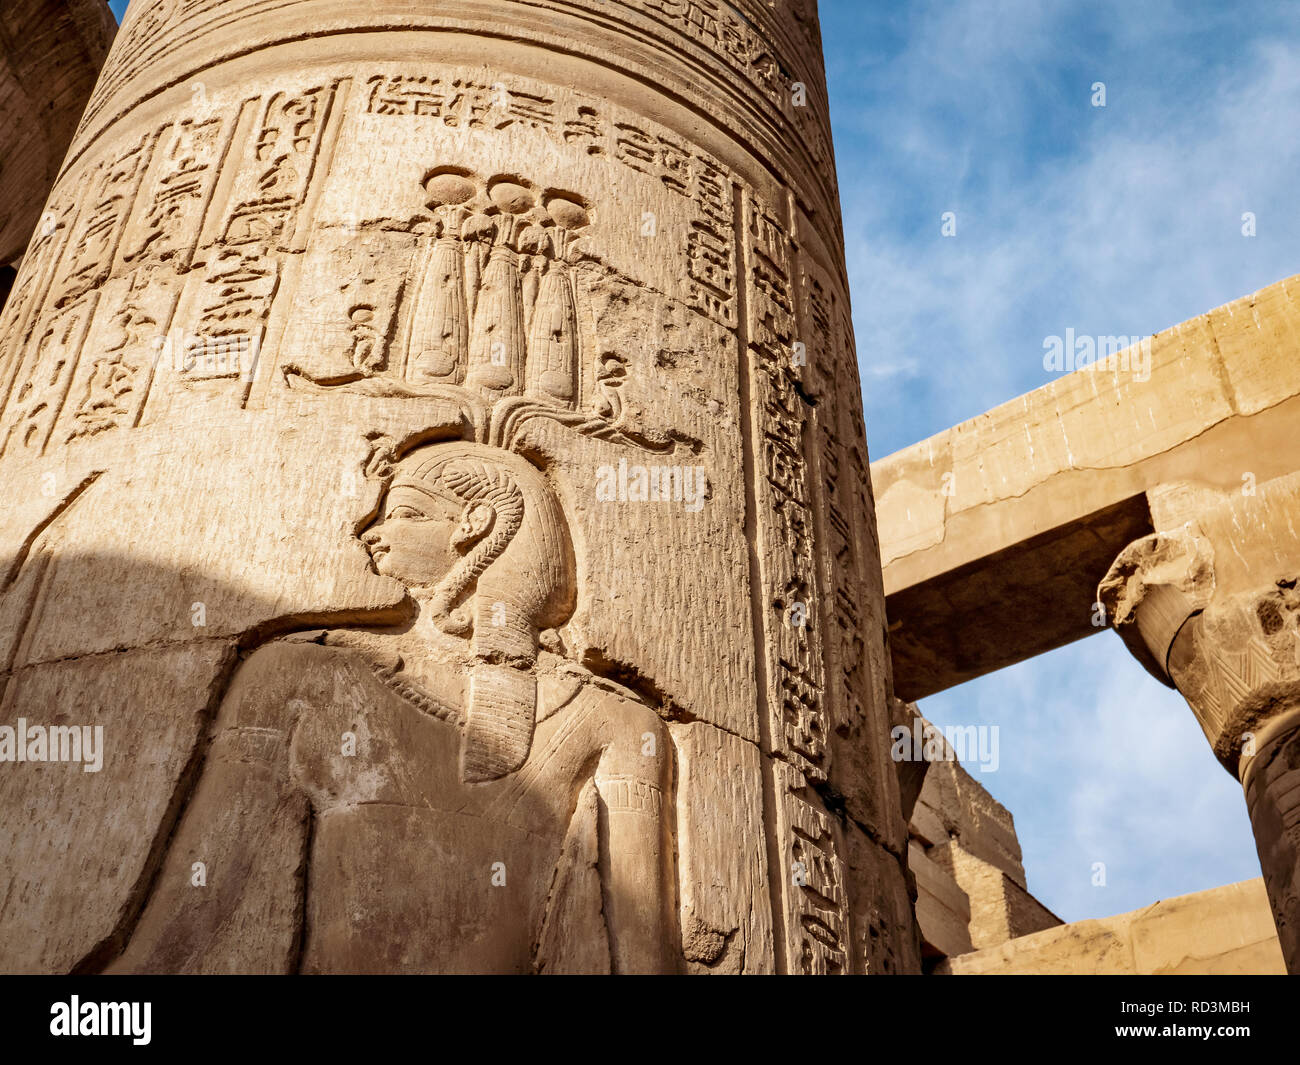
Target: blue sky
[1117, 220]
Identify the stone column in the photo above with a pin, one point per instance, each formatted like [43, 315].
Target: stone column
[1211, 607]
[50, 55]
[438, 464]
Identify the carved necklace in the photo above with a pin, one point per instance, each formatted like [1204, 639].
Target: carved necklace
[413, 692]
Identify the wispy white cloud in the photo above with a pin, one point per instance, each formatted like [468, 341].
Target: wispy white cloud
[1126, 222]
[1117, 220]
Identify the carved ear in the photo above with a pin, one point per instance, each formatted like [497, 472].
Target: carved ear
[475, 523]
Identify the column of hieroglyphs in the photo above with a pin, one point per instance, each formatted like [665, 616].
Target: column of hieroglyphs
[436, 461]
[1209, 604]
[50, 53]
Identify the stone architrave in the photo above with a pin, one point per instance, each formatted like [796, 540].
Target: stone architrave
[1210, 606]
[432, 451]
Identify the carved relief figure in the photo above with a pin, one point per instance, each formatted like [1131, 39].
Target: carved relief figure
[447, 795]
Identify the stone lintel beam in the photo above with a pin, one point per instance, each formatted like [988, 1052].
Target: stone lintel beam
[1212, 607]
[1026, 599]
[995, 532]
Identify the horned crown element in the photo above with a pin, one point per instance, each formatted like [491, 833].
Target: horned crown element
[495, 315]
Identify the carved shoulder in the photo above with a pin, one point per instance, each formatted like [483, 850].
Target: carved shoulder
[276, 682]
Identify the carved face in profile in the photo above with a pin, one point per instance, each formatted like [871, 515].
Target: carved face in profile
[474, 529]
[412, 538]
[478, 536]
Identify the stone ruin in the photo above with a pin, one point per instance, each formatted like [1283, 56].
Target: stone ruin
[435, 476]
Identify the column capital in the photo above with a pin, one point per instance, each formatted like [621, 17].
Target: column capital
[1212, 608]
[1153, 587]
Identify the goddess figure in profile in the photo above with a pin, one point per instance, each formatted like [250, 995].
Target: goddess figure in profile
[447, 795]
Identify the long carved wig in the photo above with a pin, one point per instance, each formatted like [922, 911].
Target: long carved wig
[514, 581]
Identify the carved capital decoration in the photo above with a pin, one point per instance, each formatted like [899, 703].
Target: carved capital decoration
[1153, 587]
[1213, 609]
[1232, 652]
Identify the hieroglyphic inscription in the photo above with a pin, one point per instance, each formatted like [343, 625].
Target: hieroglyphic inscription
[849, 572]
[45, 378]
[817, 908]
[588, 125]
[461, 102]
[20, 314]
[848, 509]
[844, 502]
[816, 915]
[160, 238]
[72, 256]
[725, 33]
[178, 189]
[154, 28]
[201, 210]
[259, 224]
[271, 187]
[777, 67]
[790, 579]
[108, 202]
[125, 344]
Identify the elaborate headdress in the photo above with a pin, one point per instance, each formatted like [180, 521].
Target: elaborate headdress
[490, 335]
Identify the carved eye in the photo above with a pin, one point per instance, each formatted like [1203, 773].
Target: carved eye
[407, 513]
